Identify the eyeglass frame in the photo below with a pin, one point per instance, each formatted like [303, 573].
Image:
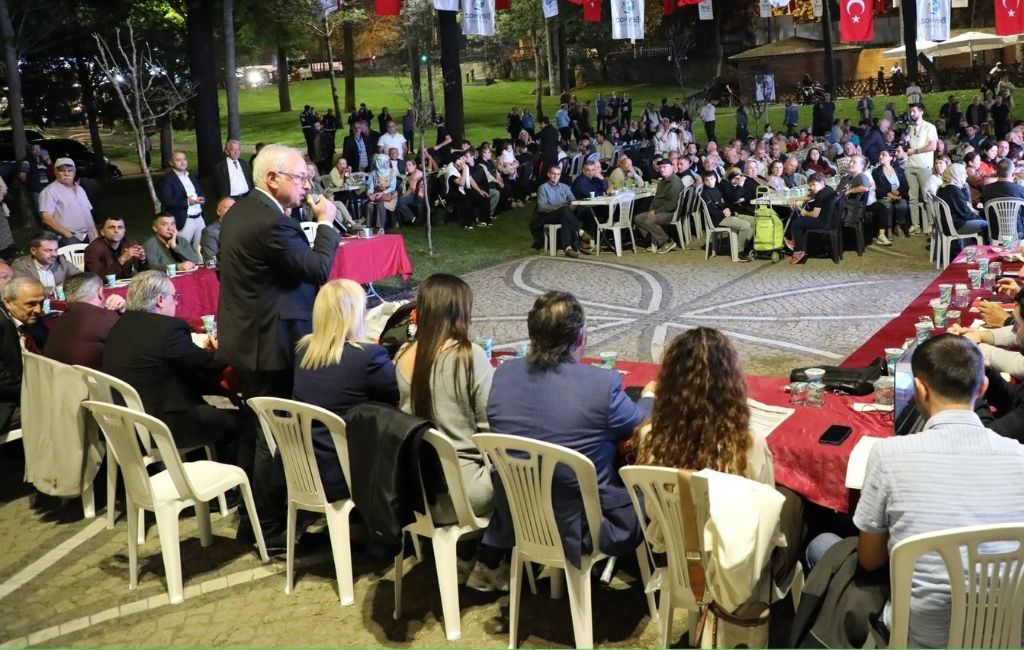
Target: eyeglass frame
[299, 179]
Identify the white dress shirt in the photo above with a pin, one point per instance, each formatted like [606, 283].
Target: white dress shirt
[237, 177]
[190, 191]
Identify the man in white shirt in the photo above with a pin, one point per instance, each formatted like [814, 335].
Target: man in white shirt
[392, 139]
[65, 208]
[923, 138]
[232, 176]
[707, 115]
[913, 93]
[182, 196]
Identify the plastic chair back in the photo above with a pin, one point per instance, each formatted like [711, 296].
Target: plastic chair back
[986, 569]
[290, 425]
[527, 471]
[74, 253]
[944, 217]
[620, 212]
[309, 228]
[111, 390]
[1005, 212]
[118, 425]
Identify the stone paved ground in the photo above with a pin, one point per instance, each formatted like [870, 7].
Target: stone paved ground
[63, 580]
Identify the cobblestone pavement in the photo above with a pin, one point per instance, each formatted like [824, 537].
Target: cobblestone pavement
[64, 580]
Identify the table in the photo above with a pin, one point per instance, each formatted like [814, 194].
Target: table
[368, 260]
[198, 295]
[817, 472]
[776, 199]
[606, 200]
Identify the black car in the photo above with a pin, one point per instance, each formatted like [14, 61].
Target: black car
[7, 136]
[85, 159]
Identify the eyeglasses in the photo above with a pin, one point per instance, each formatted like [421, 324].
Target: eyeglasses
[300, 179]
[173, 296]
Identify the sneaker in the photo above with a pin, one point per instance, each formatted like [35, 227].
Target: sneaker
[884, 241]
[914, 230]
[797, 257]
[571, 252]
[482, 578]
[790, 244]
[666, 247]
[586, 239]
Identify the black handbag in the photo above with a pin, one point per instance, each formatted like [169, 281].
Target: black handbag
[847, 381]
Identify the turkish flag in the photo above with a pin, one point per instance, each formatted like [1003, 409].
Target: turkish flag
[670, 6]
[856, 21]
[592, 11]
[501, 5]
[576, 2]
[1008, 17]
[388, 7]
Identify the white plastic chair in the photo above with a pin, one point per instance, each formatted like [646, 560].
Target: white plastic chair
[527, 469]
[74, 253]
[443, 537]
[1005, 212]
[575, 166]
[620, 217]
[309, 228]
[179, 486]
[713, 232]
[986, 565]
[111, 390]
[679, 215]
[551, 238]
[288, 424]
[943, 222]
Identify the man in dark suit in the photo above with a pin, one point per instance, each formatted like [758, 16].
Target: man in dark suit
[182, 196]
[232, 177]
[550, 396]
[20, 321]
[268, 280]
[153, 351]
[357, 148]
[548, 139]
[80, 335]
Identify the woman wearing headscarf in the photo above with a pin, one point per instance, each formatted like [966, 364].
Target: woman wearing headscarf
[955, 193]
[384, 198]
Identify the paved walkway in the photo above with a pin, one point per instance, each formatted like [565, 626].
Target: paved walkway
[64, 581]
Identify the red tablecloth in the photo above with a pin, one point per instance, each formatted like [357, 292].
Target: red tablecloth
[198, 295]
[815, 471]
[899, 329]
[373, 259]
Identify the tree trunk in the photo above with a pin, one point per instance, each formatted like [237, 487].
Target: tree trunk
[166, 142]
[415, 78]
[564, 81]
[14, 95]
[330, 70]
[348, 42]
[826, 38]
[207, 110]
[552, 52]
[719, 52]
[89, 102]
[284, 97]
[910, 38]
[230, 80]
[538, 73]
[451, 75]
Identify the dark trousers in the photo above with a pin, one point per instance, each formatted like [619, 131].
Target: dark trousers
[266, 472]
[569, 235]
[709, 129]
[798, 228]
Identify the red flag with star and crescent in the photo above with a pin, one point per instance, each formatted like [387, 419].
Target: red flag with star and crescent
[856, 21]
[592, 11]
[1009, 17]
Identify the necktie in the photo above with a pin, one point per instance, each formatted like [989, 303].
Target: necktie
[30, 343]
[236, 164]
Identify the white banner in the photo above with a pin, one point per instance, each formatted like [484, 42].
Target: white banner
[764, 8]
[628, 19]
[446, 5]
[933, 20]
[960, 4]
[550, 8]
[478, 17]
[705, 10]
[818, 10]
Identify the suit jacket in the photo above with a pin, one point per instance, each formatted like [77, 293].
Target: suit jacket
[222, 180]
[350, 152]
[80, 335]
[268, 281]
[209, 240]
[883, 186]
[25, 267]
[102, 260]
[10, 363]
[581, 407]
[156, 355]
[173, 198]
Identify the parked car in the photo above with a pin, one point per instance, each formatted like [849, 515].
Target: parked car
[85, 159]
[7, 136]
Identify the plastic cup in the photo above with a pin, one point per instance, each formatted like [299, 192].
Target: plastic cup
[892, 357]
[608, 359]
[988, 282]
[593, 194]
[961, 296]
[983, 265]
[952, 317]
[522, 350]
[971, 252]
[884, 389]
[58, 292]
[814, 376]
[923, 330]
[939, 313]
[209, 323]
[46, 306]
[109, 280]
[946, 293]
[798, 393]
[487, 344]
[975, 276]
[815, 395]
[172, 270]
[995, 268]
[366, 233]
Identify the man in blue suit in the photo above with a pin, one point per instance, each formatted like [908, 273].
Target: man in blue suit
[552, 397]
[182, 196]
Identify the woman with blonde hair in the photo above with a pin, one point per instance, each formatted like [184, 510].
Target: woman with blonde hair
[445, 378]
[337, 367]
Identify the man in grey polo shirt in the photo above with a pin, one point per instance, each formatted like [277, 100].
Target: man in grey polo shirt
[954, 473]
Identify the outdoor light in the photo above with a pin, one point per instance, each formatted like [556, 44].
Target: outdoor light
[424, 57]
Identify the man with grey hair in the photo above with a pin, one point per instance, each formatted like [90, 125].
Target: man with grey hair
[20, 325]
[268, 280]
[81, 333]
[159, 359]
[231, 175]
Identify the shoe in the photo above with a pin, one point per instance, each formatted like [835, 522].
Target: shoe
[914, 230]
[666, 247]
[571, 252]
[790, 244]
[884, 241]
[586, 251]
[380, 231]
[586, 240]
[797, 257]
[467, 227]
[483, 578]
